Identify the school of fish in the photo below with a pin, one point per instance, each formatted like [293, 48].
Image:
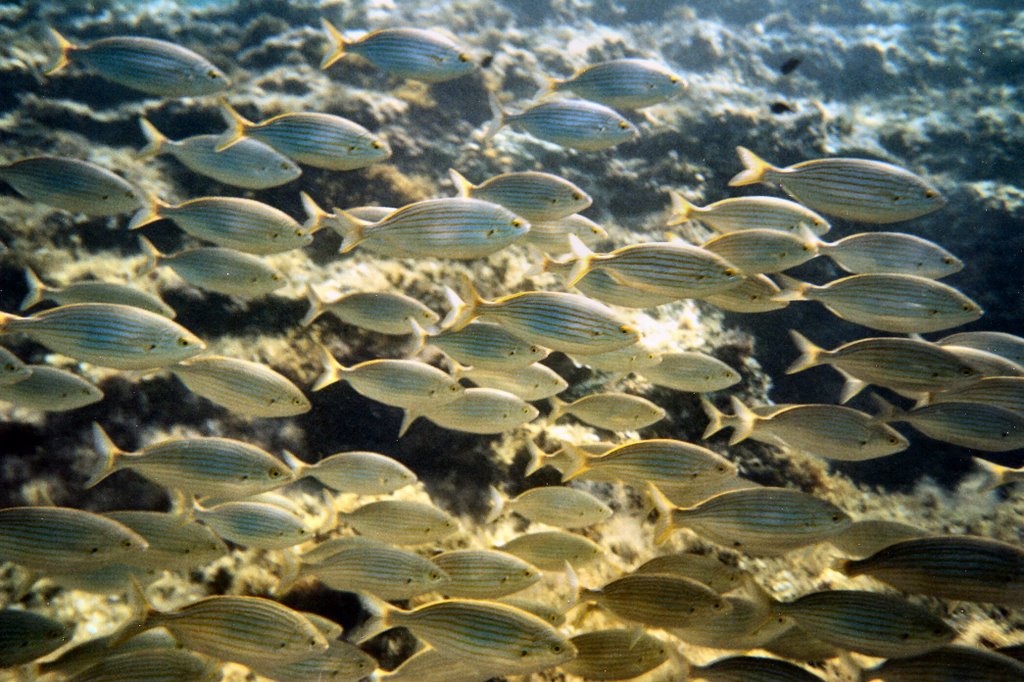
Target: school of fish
[967, 388]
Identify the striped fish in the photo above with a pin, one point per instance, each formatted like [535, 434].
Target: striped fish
[798, 644]
[175, 543]
[752, 295]
[951, 663]
[26, 636]
[429, 665]
[561, 460]
[704, 568]
[92, 651]
[905, 365]
[822, 430]
[553, 236]
[151, 665]
[760, 521]
[610, 411]
[383, 312]
[241, 386]
[483, 345]
[565, 322]
[249, 163]
[533, 382]
[691, 371]
[89, 291]
[242, 224]
[555, 505]
[739, 668]
[217, 269]
[904, 304]
[44, 538]
[746, 624]
[477, 410]
[107, 334]
[1007, 345]
[748, 213]
[970, 425]
[550, 550]
[12, 369]
[341, 661]
[437, 228]
[615, 654]
[401, 522]
[364, 473]
[378, 568]
[487, 634]
[72, 185]
[664, 268]
[484, 573]
[856, 189]
[657, 600]
[551, 613]
[657, 460]
[636, 357]
[986, 364]
[601, 285]
[870, 623]
[574, 123]
[252, 631]
[253, 524]
[891, 252]
[318, 140]
[201, 466]
[622, 83]
[1005, 392]
[155, 67]
[761, 251]
[864, 538]
[974, 569]
[51, 390]
[414, 53]
[530, 194]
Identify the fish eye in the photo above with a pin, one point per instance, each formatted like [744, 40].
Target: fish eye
[930, 194]
[731, 272]
[434, 575]
[490, 232]
[673, 79]
[94, 550]
[949, 260]
[894, 440]
[275, 277]
[626, 329]
[968, 307]
[274, 473]
[127, 544]
[182, 341]
[516, 222]
[837, 517]
[463, 57]
[556, 648]
[212, 74]
[623, 125]
[966, 371]
[299, 233]
[284, 166]
[524, 653]
[9, 367]
[375, 144]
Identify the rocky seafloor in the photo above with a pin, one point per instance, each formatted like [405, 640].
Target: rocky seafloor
[924, 85]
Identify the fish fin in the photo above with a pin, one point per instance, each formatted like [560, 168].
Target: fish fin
[462, 312]
[539, 268]
[584, 259]
[498, 116]
[316, 306]
[420, 335]
[337, 41]
[843, 565]
[851, 386]
[108, 454]
[636, 633]
[155, 140]
[745, 421]
[152, 255]
[809, 353]
[36, 290]
[716, 419]
[547, 86]
[887, 412]
[659, 503]
[236, 123]
[332, 369]
[681, 210]
[462, 185]
[409, 415]
[578, 462]
[497, 501]
[61, 60]
[379, 618]
[537, 457]
[994, 474]
[352, 229]
[314, 214]
[291, 573]
[149, 213]
[558, 407]
[792, 289]
[140, 620]
[754, 168]
[299, 468]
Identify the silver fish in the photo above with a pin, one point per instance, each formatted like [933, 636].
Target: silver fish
[72, 185]
[574, 123]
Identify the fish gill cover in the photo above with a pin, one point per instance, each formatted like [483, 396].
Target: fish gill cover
[325, 196]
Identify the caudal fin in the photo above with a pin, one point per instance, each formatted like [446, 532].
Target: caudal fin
[792, 289]
[498, 501]
[36, 290]
[462, 312]
[463, 186]
[316, 307]
[578, 462]
[138, 622]
[237, 126]
[338, 44]
[538, 458]
[409, 415]
[744, 421]
[716, 419]
[379, 620]
[60, 60]
[155, 140]
[993, 475]
[810, 354]
[584, 259]
[315, 215]
[681, 210]
[663, 524]
[498, 116]
[754, 168]
[351, 229]
[332, 369]
[152, 255]
[108, 454]
[299, 468]
[149, 213]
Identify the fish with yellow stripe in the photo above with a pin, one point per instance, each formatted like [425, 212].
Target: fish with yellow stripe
[71, 185]
[623, 83]
[574, 123]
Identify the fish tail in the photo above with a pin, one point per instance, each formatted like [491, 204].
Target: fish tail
[498, 116]
[420, 335]
[314, 214]
[754, 168]
[316, 306]
[537, 457]
[845, 566]
[539, 268]
[810, 354]
[578, 465]
[155, 140]
[716, 420]
[851, 386]
[35, 292]
[6, 320]
[558, 407]
[381, 617]
[498, 501]
[109, 455]
[792, 289]
[462, 185]
[352, 229]
[152, 255]
[663, 525]
[994, 474]
[299, 468]
[887, 412]
[681, 210]
[548, 85]
[149, 213]
[142, 618]
[237, 125]
[338, 44]
[291, 573]
[743, 421]
[409, 415]
[60, 60]
[462, 312]
[584, 259]
[332, 369]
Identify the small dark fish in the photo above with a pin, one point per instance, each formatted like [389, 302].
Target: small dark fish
[486, 61]
[780, 108]
[790, 65]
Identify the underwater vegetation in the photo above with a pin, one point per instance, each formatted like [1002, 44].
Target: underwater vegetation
[381, 341]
